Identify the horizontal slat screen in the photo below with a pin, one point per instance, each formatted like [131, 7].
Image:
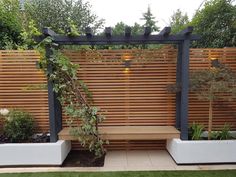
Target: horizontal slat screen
[134, 97]
[223, 110]
[21, 85]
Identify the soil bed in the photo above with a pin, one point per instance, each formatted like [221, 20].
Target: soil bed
[37, 138]
[82, 158]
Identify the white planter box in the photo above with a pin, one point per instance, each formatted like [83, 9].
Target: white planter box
[203, 151]
[34, 153]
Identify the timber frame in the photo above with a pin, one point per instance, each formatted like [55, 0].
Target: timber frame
[182, 39]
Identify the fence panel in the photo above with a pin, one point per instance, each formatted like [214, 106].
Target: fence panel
[128, 85]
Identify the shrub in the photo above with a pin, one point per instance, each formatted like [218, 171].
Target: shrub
[196, 131]
[18, 126]
[225, 132]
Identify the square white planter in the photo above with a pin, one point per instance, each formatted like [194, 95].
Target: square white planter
[203, 151]
[34, 153]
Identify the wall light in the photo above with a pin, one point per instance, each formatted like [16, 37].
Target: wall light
[215, 63]
[127, 62]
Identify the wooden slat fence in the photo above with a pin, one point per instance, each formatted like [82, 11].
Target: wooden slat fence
[223, 110]
[134, 97]
[21, 85]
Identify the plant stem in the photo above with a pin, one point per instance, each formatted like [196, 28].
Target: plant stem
[210, 120]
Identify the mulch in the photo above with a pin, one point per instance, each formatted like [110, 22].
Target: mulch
[82, 158]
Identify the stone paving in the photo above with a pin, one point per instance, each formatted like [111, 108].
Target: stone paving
[154, 160]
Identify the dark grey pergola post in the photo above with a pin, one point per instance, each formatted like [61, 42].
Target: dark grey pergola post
[55, 109]
[182, 39]
[178, 82]
[183, 77]
[184, 90]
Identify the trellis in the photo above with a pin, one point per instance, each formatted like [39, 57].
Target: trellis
[182, 40]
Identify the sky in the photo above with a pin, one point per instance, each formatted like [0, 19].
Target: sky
[130, 11]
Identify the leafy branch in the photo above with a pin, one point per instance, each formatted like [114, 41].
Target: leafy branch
[73, 94]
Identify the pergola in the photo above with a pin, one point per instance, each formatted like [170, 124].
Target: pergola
[182, 39]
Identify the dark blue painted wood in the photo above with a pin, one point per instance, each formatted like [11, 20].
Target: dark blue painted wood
[48, 32]
[165, 31]
[187, 31]
[184, 90]
[108, 32]
[88, 32]
[119, 40]
[178, 84]
[55, 110]
[128, 31]
[147, 31]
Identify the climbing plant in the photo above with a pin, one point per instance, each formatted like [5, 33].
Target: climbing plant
[75, 97]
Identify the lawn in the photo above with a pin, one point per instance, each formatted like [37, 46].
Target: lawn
[223, 173]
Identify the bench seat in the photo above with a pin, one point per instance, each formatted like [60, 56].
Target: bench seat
[130, 133]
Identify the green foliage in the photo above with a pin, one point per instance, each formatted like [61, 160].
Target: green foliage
[212, 84]
[208, 83]
[196, 131]
[18, 126]
[215, 135]
[58, 14]
[225, 132]
[178, 21]
[27, 35]
[10, 24]
[73, 31]
[150, 20]
[75, 96]
[119, 28]
[216, 23]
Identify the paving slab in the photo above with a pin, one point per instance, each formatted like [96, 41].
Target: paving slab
[138, 160]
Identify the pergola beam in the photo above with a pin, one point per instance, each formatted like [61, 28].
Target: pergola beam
[49, 32]
[128, 31]
[147, 31]
[186, 31]
[164, 37]
[88, 32]
[108, 32]
[108, 39]
[165, 32]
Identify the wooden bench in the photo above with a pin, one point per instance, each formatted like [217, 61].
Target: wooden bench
[130, 133]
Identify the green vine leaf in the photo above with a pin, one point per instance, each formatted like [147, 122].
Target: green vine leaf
[75, 97]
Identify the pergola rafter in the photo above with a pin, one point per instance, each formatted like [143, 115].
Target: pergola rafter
[182, 39]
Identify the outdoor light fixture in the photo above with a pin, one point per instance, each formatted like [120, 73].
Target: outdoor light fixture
[215, 62]
[127, 62]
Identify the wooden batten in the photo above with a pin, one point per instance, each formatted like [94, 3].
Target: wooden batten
[135, 96]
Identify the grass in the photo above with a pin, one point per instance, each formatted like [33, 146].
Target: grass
[221, 173]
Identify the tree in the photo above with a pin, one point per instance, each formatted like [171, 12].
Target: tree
[216, 23]
[214, 83]
[137, 29]
[150, 20]
[10, 24]
[178, 21]
[59, 14]
[119, 29]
